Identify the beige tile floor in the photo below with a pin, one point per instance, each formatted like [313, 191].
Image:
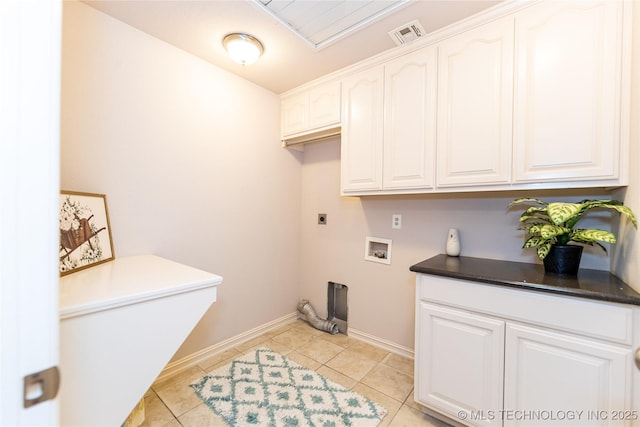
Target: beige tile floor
[383, 377]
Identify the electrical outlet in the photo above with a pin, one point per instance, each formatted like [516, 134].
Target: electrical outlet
[322, 219]
[396, 221]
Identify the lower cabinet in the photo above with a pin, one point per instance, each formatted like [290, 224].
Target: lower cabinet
[492, 356]
[461, 361]
[556, 372]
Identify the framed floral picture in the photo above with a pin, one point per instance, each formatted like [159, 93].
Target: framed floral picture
[85, 232]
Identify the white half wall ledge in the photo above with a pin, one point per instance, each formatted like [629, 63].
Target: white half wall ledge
[109, 318]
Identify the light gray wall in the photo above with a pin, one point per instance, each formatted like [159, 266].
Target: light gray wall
[626, 260]
[381, 297]
[190, 160]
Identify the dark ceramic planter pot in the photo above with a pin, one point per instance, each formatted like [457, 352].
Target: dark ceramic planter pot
[563, 259]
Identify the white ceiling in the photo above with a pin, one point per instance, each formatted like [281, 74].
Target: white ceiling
[322, 23]
[199, 26]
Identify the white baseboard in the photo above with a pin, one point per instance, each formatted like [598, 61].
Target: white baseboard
[382, 343]
[177, 366]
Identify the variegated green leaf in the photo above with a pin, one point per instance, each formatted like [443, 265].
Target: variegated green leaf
[535, 228]
[526, 200]
[543, 250]
[560, 212]
[534, 241]
[590, 204]
[551, 231]
[537, 217]
[524, 217]
[601, 246]
[592, 235]
[529, 226]
[625, 210]
[532, 210]
[535, 213]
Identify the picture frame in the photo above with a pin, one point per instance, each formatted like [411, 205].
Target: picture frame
[85, 231]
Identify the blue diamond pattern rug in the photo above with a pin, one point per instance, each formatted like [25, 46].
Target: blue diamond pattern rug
[264, 388]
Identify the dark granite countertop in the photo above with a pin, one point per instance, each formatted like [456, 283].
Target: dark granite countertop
[591, 284]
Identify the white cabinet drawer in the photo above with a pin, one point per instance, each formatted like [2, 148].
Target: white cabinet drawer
[608, 321]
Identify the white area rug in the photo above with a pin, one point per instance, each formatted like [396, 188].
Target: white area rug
[264, 388]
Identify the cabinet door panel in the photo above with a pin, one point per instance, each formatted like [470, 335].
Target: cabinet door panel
[567, 108]
[555, 372]
[324, 105]
[409, 121]
[362, 124]
[295, 112]
[459, 363]
[475, 96]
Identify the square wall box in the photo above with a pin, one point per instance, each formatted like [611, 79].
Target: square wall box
[377, 249]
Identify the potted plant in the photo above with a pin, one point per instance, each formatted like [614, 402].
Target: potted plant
[551, 226]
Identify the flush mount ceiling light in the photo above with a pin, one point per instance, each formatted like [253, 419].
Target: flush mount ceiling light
[243, 48]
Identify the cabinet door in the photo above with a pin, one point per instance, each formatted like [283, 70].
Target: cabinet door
[324, 106]
[557, 373]
[313, 110]
[475, 97]
[361, 148]
[295, 114]
[567, 107]
[409, 121]
[459, 363]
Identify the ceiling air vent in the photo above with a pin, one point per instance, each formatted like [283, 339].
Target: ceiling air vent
[407, 33]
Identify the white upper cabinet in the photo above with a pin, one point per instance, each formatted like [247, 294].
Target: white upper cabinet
[295, 114]
[475, 95]
[312, 110]
[324, 106]
[362, 125]
[409, 121]
[388, 126]
[530, 95]
[568, 91]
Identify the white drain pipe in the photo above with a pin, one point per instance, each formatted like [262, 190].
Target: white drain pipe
[324, 325]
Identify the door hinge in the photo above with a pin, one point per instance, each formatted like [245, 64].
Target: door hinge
[41, 386]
